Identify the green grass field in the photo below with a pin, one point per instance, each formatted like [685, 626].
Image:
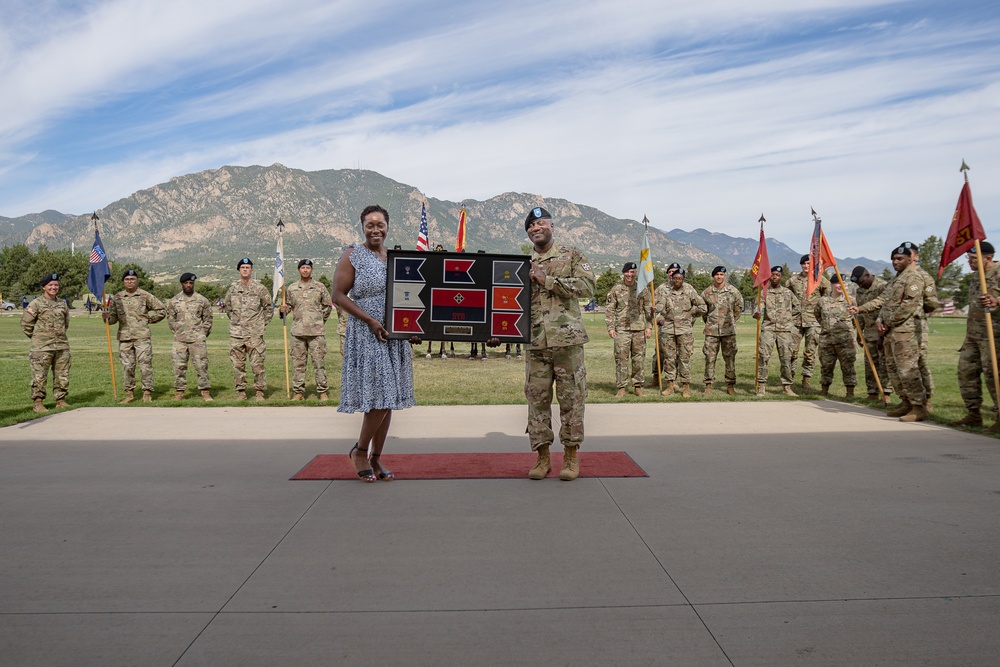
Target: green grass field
[456, 381]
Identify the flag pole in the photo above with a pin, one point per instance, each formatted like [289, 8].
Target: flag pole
[857, 325]
[284, 319]
[760, 319]
[107, 328]
[652, 305]
[988, 311]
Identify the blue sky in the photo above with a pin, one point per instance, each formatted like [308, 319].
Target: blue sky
[696, 114]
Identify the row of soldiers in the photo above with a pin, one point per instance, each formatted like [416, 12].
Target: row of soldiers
[892, 325]
[247, 303]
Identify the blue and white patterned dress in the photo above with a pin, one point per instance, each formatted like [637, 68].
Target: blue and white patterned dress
[376, 375]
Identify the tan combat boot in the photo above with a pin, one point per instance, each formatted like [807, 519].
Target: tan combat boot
[638, 390]
[669, 389]
[542, 465]
[621, 393]
[178, 395]
[994, 429]
[974, 418]
[708, 389]
[39, 406]
[900, 410]
[806, 385]
[731, 389]
[917, 414]
[129, 397]
[61, 403]
[241, 395]
[259, 397]
[323, 396]
[850, 392]
[760, 389]
[206, 396]
[686, 390]
[787, 390]
[571, 465]
[147, 396]
[824, 390]
[298, 397]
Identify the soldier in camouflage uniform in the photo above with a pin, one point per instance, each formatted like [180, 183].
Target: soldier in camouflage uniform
[931, 303]
[806, 326]
[725, 305]
[677, 304]
[974, 361]
[249, 307]
[781, 308]
[869, 288]
[560, 276]
[626, 322]
[836, 339]
[134, 309]
[310, 303]
[45, 321]
[899, 324]
[189, 316]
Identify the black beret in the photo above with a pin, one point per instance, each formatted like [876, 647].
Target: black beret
[673, 265]
[679, 272]
[835, 278]
[536, 213]
[911, 246]
[777, 269]
[803, 259]
[245, 260]
[52, 277]
[629, 266]
[901, 250]
[857, 273]
[188, 276]
[305, 262]
[129, 272]
[985, 246]
[718, 269]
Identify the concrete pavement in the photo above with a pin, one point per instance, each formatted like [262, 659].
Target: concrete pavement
[778, 533]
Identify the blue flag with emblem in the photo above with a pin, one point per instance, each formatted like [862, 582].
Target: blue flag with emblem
[99, 269]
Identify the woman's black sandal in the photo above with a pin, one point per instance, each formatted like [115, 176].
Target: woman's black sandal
[365, 475]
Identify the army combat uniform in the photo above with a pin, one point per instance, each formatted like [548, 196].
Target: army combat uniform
[134, 312]
[555, 353]
[45, 322]
[190, 319]
[777, 329]
[873, 339]
[904, 299]
[974, 363]
[931, 303]
[311, 307]
[678, 308]
[625, 315]
[806, 325]
[724, 306]
[836, 342]
[249, 308]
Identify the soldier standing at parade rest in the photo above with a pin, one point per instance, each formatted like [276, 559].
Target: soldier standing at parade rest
[806, 326]
[624, 317]
[869, 288]
[189, 316]
[974, 361]
[677, 304]
[725, 305]
[560, 276]
[249, 307]
[134, 309]
[931, 303]
[836, 339]
[45, 321]
[777, 329]
[899, 325]
[310, 303]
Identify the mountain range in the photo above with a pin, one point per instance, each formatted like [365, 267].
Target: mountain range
[206, 221]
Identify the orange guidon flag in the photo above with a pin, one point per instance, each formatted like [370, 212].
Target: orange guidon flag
[761, 269]
[460, 240]
[505, 298]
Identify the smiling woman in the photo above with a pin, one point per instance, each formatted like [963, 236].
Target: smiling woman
[377, 376]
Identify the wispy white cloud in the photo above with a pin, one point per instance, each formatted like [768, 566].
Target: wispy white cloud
[701, 115]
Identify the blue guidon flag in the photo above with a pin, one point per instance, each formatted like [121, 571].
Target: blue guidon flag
[407, 270]
[100, 271]
[458, 305]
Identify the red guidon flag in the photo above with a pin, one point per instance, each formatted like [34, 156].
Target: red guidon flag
[505, 298]
[965, 230]
[457, 271]
[405, 320]
[761, 269]
[506, 325]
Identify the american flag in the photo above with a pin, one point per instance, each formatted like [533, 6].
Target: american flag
[97, 255]
[422, 235]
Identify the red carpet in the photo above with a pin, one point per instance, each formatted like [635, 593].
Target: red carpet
[472, 466]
